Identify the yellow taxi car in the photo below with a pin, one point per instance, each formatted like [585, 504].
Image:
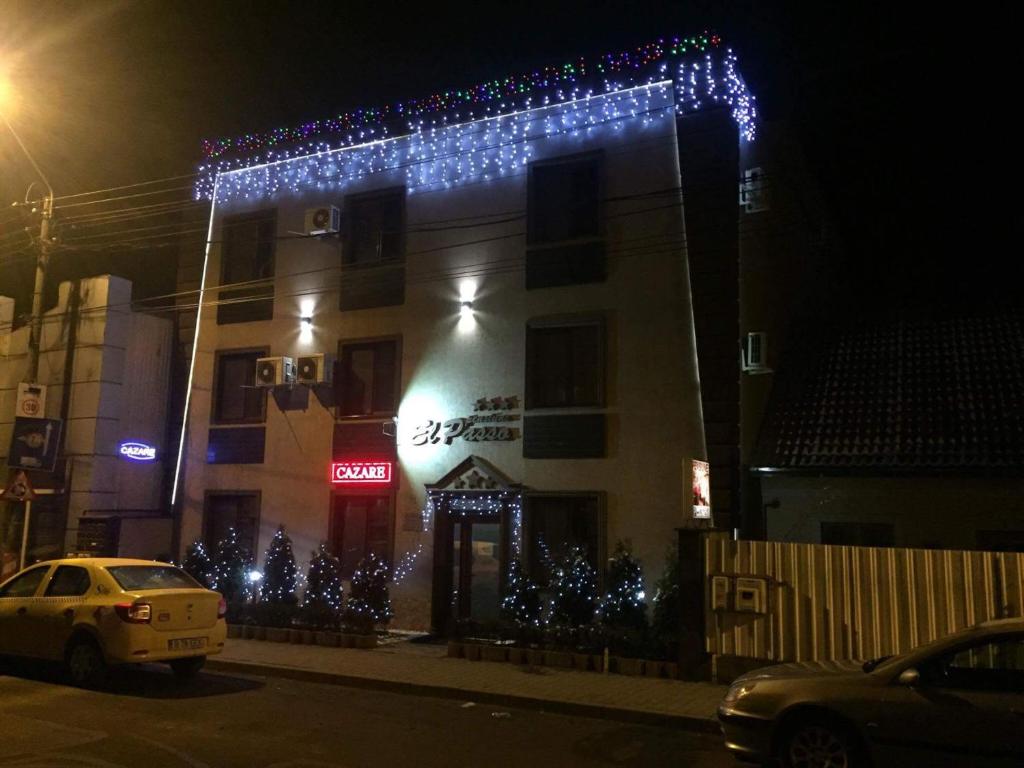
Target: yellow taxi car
[92, 613]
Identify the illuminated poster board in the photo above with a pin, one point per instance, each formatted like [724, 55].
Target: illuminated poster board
[701, 483]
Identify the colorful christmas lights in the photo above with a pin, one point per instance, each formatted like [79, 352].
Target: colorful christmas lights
[491, 137]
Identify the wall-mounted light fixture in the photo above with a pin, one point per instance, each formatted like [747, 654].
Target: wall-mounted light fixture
[306, 321]
[467, 292]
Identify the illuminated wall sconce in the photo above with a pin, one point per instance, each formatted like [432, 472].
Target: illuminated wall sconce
[467, 292]
[306, 325]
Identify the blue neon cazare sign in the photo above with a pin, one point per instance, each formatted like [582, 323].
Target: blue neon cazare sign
[137, 451]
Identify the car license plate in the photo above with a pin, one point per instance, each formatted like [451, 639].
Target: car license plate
[186, 644]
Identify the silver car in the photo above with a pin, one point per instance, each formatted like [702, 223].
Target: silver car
[957, 701]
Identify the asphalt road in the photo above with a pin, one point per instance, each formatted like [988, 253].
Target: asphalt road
[147, 720]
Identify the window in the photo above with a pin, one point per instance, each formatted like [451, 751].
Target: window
[995, 665]
[360, 525]
[376, 231]
[225, 511]
[368, 378]
[247, 255]
[564, 222]
[373, 258]
[554, 525]
[236, 398]
[142, 577]
[68, 581]
[1001, 541]
[564, 365]
[857, 534]
[26, 584]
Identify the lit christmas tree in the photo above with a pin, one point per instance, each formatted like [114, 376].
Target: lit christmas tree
[521, 604]
[369, 603]
[198, 564]
[624, 605]
[575, 587]
[322, 600]
[279, 570]
[231, 566]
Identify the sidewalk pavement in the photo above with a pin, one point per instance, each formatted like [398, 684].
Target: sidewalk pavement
[423, 669]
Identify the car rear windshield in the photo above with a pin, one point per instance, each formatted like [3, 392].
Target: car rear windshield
[139, 577]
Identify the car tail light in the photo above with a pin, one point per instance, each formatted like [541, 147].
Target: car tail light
[222, 608]
[134, 613]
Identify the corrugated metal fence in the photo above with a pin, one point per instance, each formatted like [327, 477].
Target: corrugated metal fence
[832, 602]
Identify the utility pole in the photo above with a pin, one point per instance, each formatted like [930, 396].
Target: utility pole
[42, 260]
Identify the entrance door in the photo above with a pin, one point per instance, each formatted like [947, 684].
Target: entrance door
[476, 569]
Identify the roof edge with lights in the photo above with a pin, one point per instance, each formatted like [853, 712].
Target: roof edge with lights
[705, 74]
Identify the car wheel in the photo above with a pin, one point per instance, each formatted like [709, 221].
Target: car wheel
[186, 669]
[820, 744]
[86, 665]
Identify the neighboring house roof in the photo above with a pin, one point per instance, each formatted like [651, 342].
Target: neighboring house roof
[703, 71]
[912, 397]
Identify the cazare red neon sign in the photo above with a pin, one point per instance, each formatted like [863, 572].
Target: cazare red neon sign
[360, 472]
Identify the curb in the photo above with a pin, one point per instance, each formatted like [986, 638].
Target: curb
[686, 722]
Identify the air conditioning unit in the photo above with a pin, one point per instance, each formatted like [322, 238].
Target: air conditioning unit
[274, 371]
[755, 353]
[754, 191]
[323, 221]
[314, 369]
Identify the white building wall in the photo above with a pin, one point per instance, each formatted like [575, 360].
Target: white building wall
[118, 391]
[653, 407]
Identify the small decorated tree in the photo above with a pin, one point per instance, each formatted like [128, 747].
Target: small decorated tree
[321, 603]
[624, 605]
[231, 565]
[369, 603]
[575, 590]
[667, 606]
[279, 571]
[198, 564]
[521, 604]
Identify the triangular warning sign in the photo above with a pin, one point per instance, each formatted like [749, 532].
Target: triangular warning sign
[19, 488]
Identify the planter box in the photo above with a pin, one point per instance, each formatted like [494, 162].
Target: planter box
[534, 657]
[235, 631]
[557, 659]
[672, 670]
[366, 642]
[494, 653]
[582, 661]
[301, 636]
[519, 655]
[653, 668]
[626, 666]
[472, 651]
[277, 634]
[456, 650]
[329, 639]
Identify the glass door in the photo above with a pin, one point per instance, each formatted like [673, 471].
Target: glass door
[476, 569]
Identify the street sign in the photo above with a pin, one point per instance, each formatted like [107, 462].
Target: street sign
[31, 402]
[34, 443]
[19, 488]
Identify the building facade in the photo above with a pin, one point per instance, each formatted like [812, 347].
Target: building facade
[105, 370]
[491, 322]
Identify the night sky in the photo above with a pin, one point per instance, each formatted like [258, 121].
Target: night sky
[902, 136]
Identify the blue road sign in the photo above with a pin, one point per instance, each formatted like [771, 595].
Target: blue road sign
[34, 443]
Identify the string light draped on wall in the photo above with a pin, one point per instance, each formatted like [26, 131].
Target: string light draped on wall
[481, 132]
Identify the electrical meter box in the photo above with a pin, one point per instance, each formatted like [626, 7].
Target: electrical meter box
[751, 595]
[720, 588]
